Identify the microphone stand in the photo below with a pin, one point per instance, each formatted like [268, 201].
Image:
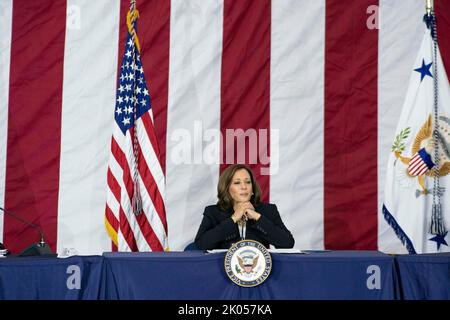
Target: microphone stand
[38, 249]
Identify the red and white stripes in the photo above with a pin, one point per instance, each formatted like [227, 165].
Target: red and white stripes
[318, 91]
[417, 166]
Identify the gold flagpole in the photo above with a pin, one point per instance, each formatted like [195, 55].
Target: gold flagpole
[429, 7]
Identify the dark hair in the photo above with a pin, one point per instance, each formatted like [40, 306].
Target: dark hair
[225, 201]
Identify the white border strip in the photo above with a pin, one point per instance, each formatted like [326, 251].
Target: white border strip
[89, 93]
[196, 29]
[5, 60]
[297, 112]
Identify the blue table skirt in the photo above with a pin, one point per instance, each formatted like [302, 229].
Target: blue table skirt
[424, 276]
[194, 275]
[51, 278]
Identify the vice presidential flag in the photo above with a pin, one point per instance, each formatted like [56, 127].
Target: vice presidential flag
[410, 190]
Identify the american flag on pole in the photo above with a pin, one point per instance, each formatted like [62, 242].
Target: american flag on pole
[135, 215]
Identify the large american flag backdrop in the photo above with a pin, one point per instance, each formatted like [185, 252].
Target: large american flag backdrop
[318, 85]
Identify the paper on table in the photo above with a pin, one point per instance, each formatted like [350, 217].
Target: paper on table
[217, 250]
[290, 251]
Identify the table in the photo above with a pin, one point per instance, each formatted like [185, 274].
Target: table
[33, 278]
[424, 276]
[198, 276]
[194, 275]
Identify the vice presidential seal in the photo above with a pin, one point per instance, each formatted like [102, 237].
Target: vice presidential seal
[248, 263]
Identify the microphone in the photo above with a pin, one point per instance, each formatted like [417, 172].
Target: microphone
[36, 249]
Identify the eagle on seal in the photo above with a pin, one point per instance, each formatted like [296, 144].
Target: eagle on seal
[248, 263]
[420, 165]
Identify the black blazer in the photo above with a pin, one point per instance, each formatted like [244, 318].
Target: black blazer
[218, 230]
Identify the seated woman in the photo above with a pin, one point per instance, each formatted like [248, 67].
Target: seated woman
[239, 215]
